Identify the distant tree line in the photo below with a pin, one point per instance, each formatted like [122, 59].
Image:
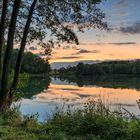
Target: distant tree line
[104, 68]
[32, 63]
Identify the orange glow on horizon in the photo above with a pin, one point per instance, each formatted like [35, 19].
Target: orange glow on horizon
[104, 52]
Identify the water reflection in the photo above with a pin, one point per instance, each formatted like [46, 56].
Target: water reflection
[46, 95]
[35, 86]
[130, 82]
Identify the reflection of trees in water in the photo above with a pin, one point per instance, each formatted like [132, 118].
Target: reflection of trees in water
[130, 82]
[35, 86]
[38, 84]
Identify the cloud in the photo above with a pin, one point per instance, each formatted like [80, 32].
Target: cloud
[123, 43]
[66, 47]
[32, 48]
[54, 52]
[87, 43]
[121, 3]
[104, 43]
[82, 51]
[75, 48]
[111, 54]
[68, 57]
[132, 29]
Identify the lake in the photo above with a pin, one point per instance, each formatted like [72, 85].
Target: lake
[44, 96]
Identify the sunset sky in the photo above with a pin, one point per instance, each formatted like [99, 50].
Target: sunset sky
[122, 42]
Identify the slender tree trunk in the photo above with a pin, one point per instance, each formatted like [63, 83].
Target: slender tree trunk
[2, 30]
[10, 40]
[22, 45]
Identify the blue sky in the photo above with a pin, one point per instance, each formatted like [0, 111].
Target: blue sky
[119, 14]
[121, 42]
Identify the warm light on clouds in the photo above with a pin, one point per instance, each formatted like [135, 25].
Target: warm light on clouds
[121, 42]
[110, 51]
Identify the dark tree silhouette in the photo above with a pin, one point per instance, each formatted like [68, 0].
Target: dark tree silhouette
[31, 20]
[2, 31]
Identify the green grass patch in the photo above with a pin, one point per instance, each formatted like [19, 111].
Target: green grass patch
[94, 122]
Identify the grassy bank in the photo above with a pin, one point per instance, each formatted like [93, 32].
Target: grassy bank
[94, 122]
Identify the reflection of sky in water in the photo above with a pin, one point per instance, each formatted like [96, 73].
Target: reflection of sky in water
[65, 94]
[60, 82]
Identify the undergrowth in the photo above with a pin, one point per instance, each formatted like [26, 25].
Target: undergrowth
[94, 122]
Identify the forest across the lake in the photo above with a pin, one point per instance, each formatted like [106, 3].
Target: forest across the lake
[124, 67]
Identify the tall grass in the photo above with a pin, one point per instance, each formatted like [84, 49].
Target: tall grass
[93, 122]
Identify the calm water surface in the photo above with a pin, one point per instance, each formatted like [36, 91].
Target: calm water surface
[45, 96]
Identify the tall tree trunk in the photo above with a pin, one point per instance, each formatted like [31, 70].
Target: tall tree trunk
[10, 40]
[2, 30]
[22, 45]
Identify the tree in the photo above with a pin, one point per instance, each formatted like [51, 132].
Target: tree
[22, 45]
[31, 63]
[33, 20]
[6, 66]
[2, 31]
[80, 68]
[56, 21]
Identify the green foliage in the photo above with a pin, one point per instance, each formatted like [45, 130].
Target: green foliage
[23, 82]
[95, 119]
[93, 122]
[104, 68]
[60, 18]
[23, 79]
[35, 85]
[56, 136]
[11, 117]
[56, 15]
[32, 63]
